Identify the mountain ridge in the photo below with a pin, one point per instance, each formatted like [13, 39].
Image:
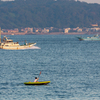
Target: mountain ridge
[48, 13]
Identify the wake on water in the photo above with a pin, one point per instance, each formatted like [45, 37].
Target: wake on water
[33, 47]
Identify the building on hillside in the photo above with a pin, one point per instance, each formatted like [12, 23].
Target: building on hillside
[87, 29]
[13, 31]
[45, 30]
[95, 29]
[75, 29]
[79, 30]
[94, 25]
[51, 28]
[37, 30]
[28, 29]
[66, 30]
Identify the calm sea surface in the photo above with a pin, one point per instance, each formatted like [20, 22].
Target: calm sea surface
[72, 66]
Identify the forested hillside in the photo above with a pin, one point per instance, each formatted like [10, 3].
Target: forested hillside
[48, 13]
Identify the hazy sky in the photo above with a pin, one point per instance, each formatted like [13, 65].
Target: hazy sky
[91, 1]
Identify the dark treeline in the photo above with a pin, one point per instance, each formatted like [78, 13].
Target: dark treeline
[48, 13]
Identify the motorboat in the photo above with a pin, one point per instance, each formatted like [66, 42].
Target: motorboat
[93, 38]
[9, 44]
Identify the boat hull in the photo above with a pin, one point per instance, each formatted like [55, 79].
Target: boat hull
[37, 83]
[17, 47]
[89, 39]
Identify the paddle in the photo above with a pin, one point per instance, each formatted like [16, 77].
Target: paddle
[39, 74]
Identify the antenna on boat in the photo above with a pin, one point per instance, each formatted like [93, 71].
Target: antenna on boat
[0, 34]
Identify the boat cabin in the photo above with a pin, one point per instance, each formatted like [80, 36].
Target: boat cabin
[5, 39]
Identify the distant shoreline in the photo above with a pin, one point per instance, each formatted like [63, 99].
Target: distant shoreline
[52, 33]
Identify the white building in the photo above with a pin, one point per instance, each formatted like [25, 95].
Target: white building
[45, 30]
[66, 30]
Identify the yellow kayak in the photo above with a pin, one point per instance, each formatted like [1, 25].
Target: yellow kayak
[37, 83]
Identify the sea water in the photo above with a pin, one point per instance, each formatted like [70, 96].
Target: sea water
[72, 66]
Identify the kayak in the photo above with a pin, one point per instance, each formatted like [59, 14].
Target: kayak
[37, 83]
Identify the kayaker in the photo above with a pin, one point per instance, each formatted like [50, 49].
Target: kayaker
[36, 79]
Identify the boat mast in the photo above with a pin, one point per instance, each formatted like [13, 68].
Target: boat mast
[0, 34]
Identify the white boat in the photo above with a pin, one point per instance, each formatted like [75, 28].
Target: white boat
[10, 45]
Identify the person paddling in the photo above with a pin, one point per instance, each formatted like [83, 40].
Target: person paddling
[36, 79]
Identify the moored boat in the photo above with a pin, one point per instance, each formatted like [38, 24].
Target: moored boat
[94, 38]
[37, 83]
